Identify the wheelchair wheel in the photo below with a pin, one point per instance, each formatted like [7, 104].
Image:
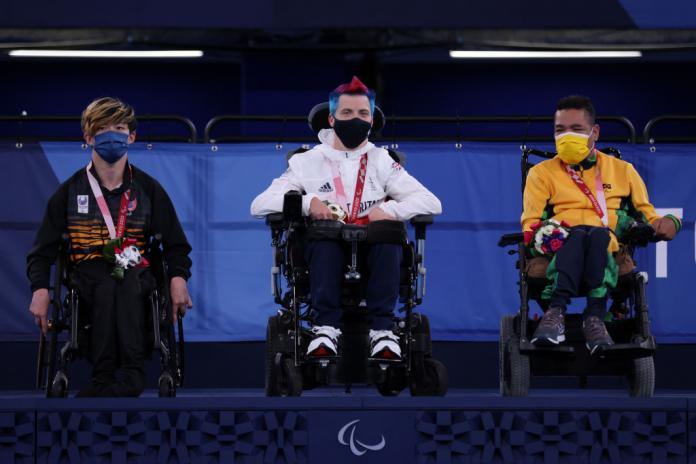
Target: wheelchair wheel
[393, 383]
[166, 385]
[514, 370]
[434, 381]
[642, 378]
[59, 386]
[271, 379]
[282, 377]
[423, 329]
[288, 379]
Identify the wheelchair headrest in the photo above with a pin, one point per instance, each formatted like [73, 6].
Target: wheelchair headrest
[318, 118]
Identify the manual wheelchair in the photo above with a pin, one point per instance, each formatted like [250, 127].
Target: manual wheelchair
[69, 316]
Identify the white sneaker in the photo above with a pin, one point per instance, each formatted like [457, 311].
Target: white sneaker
[384, 344]
[325, 341]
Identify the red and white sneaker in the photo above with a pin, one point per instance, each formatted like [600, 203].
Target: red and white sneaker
[325, 341]
[384, 344]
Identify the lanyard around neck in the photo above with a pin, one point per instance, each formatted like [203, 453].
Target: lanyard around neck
[599, 203]
[359, 187]
[120, 228]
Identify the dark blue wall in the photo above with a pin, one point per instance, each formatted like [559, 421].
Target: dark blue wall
[291, 83]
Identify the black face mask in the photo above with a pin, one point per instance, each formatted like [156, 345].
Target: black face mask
[351, 132]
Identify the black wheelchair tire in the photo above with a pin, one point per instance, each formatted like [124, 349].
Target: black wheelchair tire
[290, 381]
[59, 386]
[642, 377]
[423, 328]
[435, 381]
[394, 382]
[513, 366]
[282, 377]
[271, 374]
[166, 385]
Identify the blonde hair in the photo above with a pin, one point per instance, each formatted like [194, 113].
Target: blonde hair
[104, 111]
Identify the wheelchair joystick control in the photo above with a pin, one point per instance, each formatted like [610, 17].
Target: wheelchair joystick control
[292, 206]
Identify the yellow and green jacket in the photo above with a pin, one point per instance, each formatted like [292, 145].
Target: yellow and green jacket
[550, 193]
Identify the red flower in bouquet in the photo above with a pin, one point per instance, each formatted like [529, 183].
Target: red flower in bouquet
[548, 236]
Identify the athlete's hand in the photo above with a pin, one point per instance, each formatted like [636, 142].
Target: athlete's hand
[181, 300]
[318, 210]
[377, 214]
[40, 301]
[664, 229]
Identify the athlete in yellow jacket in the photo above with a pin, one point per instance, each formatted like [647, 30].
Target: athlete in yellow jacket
[565, 188]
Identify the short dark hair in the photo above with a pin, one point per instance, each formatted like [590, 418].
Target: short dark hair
[577, 102]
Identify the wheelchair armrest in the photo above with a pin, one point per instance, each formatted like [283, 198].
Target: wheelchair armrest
[292, 211]
[510, 239]
[639, 234]
[420, 223]
[156, 240]
[424, 219]
[274, 219]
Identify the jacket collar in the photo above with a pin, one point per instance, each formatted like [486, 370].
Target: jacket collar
[327, 138]
[587, 163]
[125, 184]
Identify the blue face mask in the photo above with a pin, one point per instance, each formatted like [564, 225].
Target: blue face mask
[111, 145]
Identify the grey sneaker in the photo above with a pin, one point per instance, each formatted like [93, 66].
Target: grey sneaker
[551, 328]
[596, 335]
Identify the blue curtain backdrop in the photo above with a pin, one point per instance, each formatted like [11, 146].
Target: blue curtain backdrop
[471, 282]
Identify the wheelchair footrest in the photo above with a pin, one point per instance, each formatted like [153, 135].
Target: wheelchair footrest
[629, 350]
[384, 361]
[529, 348]
[322, 360]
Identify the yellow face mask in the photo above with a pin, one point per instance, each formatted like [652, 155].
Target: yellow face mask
[572, 147]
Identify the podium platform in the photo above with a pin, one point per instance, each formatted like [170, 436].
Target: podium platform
[330, 426]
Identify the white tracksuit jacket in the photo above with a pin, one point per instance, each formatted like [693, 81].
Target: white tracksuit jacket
[310, 172]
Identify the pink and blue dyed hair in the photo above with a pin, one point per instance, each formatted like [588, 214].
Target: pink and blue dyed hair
[354, 87]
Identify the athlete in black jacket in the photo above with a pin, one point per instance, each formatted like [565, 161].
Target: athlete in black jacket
[109, 200]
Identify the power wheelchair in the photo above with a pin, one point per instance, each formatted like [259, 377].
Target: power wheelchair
[632, 354]
[67, 315]
[288, 370]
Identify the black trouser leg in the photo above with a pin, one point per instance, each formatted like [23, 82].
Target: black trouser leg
[569, 266]
[596, 258]
[118, 318]
[130, 329]
[98, 289]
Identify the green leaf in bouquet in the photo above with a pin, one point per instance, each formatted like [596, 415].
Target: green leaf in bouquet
[109, 252]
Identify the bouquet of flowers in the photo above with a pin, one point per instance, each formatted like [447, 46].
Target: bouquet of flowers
[337, 212]
[123, 253]
[547, 237]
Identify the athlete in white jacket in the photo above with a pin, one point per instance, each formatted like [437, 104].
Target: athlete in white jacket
[346, 169]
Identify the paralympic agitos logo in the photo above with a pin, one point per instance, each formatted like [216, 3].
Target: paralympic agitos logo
[357, 447]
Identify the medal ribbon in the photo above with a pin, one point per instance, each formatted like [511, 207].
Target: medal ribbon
[599, 203]
[359, 187]
[119, 230]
